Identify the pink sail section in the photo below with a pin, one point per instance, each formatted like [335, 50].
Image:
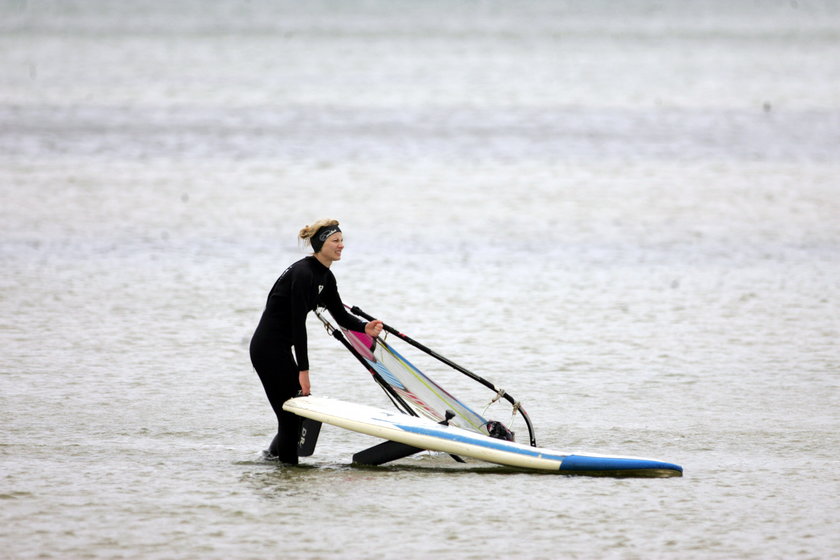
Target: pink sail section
[362, 343]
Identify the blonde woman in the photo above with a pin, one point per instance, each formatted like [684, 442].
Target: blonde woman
[304, 285]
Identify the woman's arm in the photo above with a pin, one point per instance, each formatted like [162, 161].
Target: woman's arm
[332, 300]
[305, 385]
[300, 304]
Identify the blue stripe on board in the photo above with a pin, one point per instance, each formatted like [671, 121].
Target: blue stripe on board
[500, 445]
[569, 463]
[578, 463]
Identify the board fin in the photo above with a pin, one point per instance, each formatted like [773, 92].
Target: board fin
[392, 450]
[384, 452]
[309, 430]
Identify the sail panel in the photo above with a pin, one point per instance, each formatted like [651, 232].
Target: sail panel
[423, 395]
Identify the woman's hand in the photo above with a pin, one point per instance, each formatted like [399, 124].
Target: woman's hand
[373, 328]
[305, 386]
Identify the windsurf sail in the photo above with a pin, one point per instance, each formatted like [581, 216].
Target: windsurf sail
[413, 391]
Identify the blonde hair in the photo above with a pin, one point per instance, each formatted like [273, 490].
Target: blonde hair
[307, 232]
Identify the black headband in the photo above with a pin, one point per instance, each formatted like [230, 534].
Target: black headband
[322, 235]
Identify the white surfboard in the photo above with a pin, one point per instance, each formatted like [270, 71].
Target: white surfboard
[426, 434]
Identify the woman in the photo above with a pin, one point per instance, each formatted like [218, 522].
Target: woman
[303, 286]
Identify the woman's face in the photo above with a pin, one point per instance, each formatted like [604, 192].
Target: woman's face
[333, 247]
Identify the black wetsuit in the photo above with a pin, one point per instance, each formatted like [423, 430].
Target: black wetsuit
[303, 286]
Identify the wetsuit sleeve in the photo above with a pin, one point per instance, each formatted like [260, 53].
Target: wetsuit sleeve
[300, 296]
[332, 301]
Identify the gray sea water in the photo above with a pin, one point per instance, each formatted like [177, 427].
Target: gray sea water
[627, 214]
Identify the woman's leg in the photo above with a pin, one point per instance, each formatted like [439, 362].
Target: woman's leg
[278, 372]
[284, 446]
